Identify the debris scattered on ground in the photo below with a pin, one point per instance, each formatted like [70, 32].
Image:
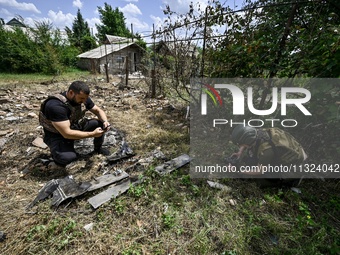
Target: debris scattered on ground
[296, 190]
[274, 239]
[32, 115]
[173, 164]
[89, 227]
[233, 202]
[106, 179]
[219, 186]
[39, 142]
[62, 189]
[85, 146]
[2, 236]
[123, 152]
[113, 192]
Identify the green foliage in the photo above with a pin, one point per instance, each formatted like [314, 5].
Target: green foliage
[113, 21]
[168, 220]
[138, 189]
[266, 49]
[79, 35]
[58, 231]
[140, 41]
[119, 206]
[19, 53]
[134, 249]
[37, 50]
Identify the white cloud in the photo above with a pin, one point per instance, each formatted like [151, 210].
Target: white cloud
[31, 21]
[5, 12]
[60, 19]
[20, 6]
[182, 6]
[92, 24]
[157, 21]
[137, 24]
[77, 4]
[130, 10]
[96, 11]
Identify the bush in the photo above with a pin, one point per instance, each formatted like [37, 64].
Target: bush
[21, 53]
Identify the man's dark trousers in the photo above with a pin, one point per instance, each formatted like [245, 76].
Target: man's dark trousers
[62, 149]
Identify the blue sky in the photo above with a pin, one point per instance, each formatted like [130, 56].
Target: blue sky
[143, 14]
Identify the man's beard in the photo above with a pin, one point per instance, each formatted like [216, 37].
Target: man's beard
[73, 99]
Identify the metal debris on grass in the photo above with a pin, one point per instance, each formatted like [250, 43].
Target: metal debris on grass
[62, 189]
[113, 192]
[173, 164]
[106, 179]
[123, 152]
[219, 186]
[296, 190]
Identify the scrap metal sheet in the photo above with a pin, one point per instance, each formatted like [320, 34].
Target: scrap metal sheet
[173, 164]
[106, 179]
[108, 194]
[115, 191]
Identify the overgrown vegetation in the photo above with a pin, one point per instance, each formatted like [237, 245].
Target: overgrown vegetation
[175, 214]
[164, 215]
[44, 50]
[265, 39]
[35, 50]
[80, 35]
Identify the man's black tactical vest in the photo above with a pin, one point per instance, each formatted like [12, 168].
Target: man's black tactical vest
[76, 117]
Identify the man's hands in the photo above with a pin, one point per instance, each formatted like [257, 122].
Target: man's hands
[106, 126]
[239, 153]
[98, 132]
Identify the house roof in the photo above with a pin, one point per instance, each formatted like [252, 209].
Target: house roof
[111, 39]
[180, 47]
[100, 51]
[15, 22]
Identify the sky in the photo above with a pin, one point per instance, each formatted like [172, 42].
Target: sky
[141, 13]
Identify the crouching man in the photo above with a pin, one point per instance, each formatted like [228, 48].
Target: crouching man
[62, 117]
[271, 147]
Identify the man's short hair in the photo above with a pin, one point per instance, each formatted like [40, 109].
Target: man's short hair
[78, 86]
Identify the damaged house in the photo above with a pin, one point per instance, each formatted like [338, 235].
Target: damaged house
[113, 53]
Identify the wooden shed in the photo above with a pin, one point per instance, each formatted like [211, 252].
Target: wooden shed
[114, 55]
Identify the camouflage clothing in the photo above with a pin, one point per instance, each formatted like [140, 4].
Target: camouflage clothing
[76, 118]
[274, 147]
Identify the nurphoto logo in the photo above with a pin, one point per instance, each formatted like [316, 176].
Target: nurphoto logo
[239, 102]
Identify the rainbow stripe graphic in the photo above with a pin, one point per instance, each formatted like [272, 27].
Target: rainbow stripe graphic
[213, 90]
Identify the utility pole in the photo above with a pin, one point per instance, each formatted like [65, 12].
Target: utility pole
[153, 72]
[204, 35]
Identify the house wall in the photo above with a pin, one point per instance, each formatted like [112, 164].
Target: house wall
[116, 61]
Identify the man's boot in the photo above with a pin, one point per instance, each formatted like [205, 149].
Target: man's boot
[98, 149]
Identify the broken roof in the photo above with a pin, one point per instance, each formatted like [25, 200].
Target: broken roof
[100, 51]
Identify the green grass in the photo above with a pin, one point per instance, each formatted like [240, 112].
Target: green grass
[69, 74]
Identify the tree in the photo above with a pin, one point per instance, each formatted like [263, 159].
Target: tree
[140, 40]
[113, 22]
[80, 35]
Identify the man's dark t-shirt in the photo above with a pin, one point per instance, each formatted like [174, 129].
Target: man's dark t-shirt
[57, 111]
